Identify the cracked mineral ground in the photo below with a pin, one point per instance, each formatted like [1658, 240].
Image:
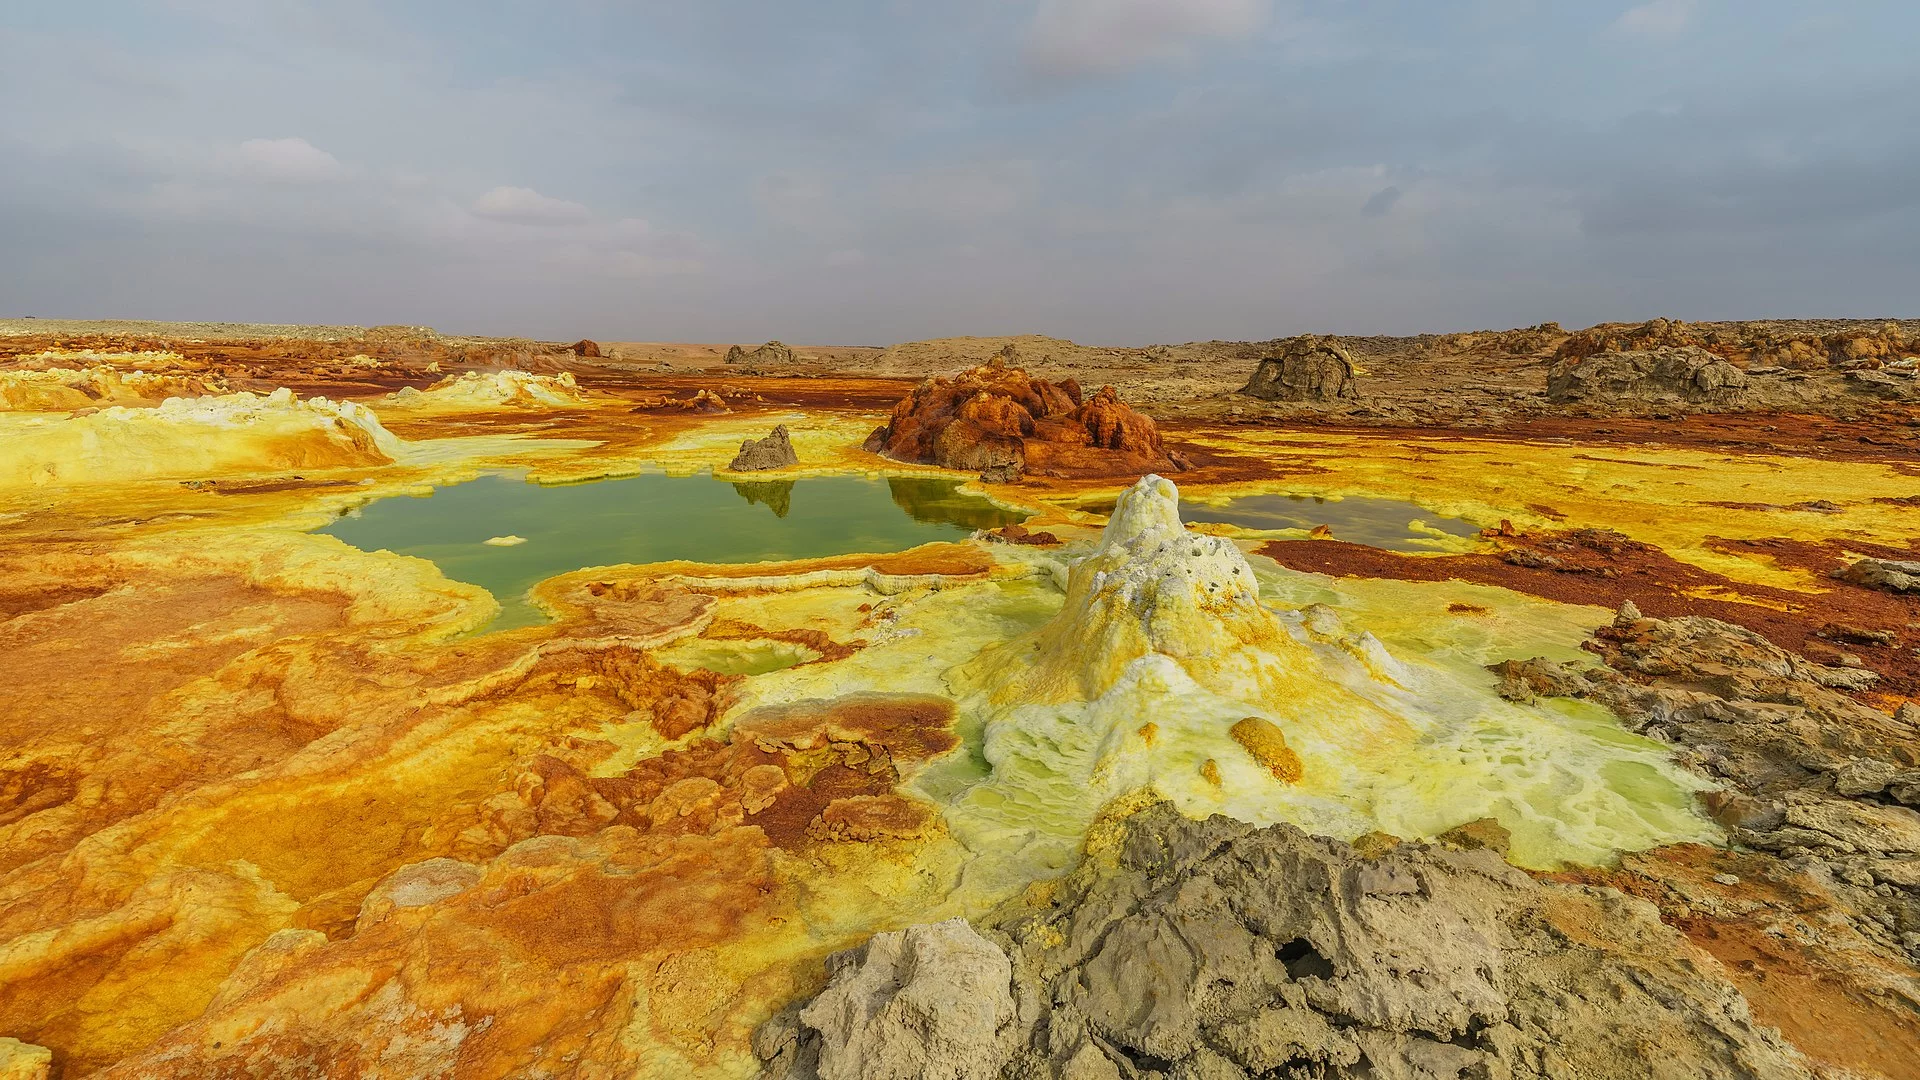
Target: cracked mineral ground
[1507, 704]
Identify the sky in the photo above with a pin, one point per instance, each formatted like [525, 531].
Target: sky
[871, 171]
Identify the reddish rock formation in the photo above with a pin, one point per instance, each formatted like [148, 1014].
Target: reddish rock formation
[586, 347]
[994, 416]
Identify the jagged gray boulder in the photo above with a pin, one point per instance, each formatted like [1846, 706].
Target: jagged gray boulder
[773, 352]
[1892, 575]
[773, 452]
[1684, 374]
[1306, 369]
[930, 1002]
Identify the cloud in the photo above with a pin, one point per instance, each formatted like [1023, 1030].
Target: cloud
[1233, 179]
[1380, 202]
[968, 194]
[1077, 38]
[525, 206]
[1661, 19]
[799, 201]
[284, 161]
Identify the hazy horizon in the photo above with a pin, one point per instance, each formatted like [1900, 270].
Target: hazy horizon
[1109, 171]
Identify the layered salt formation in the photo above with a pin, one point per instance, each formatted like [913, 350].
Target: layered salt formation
[1164, 670]
[1154, 596]
[200, 436]
[478, 388]
[57, 389]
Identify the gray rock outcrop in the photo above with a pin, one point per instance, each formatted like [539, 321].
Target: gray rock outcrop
[1306, 369]
[1215, 950]
[1769, 721]
[1685, 374]
[1890, 575]
[929, 1002]
[1811, 773]
[773, 352]
[773, 452]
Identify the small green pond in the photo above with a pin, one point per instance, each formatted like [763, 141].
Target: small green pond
[655, 518]
[1381, 523]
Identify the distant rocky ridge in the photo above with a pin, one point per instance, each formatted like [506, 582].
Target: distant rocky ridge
[1656, 368]
[1801, 345]
[1486, 378]
[335, 360]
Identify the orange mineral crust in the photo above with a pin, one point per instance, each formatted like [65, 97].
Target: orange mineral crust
[315, 839]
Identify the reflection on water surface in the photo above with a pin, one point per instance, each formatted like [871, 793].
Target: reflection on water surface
[654, 518]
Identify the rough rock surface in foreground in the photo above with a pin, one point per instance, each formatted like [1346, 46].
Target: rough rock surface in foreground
[773, 452]
[994, 416]
[926, 1003]
[1214, 950]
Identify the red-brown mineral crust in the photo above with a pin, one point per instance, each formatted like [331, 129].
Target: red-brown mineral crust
[995, 416]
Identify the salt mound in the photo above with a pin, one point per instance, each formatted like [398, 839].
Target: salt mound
[1165, 671]
[1153, 589]
[199, 437]
[114, 358]
[476, 388]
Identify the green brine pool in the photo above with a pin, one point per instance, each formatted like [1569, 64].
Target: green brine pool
[539, 530]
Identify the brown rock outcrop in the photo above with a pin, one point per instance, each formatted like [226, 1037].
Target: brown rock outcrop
[1686, 373]
[585, 347]
[1799, 346]
[1305, 369]
[773, 352]
[1628, 337]
[995, 416]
